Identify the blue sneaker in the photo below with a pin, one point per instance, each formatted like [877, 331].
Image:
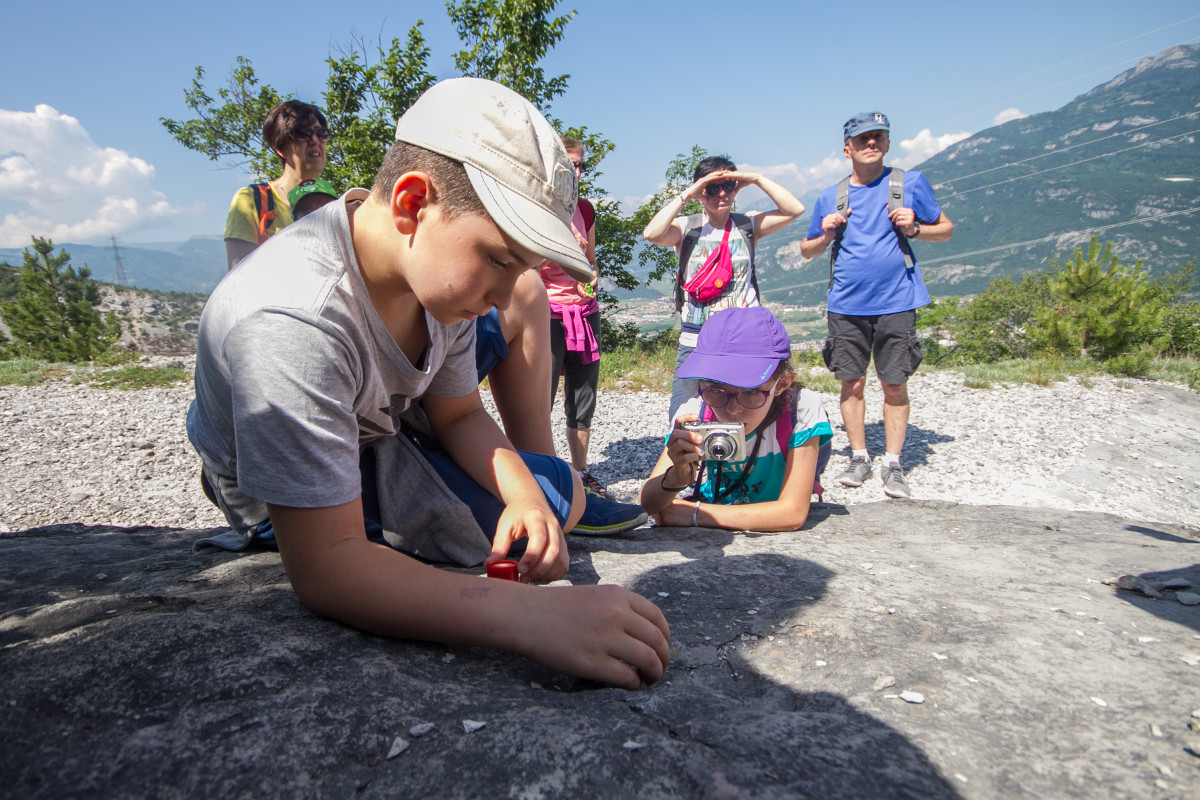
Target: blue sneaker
[604, 517]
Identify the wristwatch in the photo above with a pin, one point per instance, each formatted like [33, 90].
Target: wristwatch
[916, 229]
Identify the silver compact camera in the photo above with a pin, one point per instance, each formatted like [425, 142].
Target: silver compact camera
[723, 441]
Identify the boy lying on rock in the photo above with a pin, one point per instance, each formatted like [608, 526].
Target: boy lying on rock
[337, 403]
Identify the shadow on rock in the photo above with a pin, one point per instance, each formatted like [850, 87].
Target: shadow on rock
[737, 709]
[918, 443]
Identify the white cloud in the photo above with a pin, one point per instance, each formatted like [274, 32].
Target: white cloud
[1008, 115]
[802, 180]
[922, 146]
[56, 182]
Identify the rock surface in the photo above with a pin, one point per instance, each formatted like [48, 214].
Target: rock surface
[134, 668]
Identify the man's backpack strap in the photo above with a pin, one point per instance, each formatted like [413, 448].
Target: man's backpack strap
[264, 207]
[896, 200]
[691, 235]
[842, 202]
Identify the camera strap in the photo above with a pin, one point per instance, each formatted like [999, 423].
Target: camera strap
[719, 495]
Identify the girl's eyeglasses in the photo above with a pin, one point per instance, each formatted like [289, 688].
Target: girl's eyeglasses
[717, 397]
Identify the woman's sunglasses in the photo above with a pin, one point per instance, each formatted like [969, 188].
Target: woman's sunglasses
[304, 134]
[714, 189]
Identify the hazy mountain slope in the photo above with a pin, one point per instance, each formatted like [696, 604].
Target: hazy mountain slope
[192, 266]
[1123, 152]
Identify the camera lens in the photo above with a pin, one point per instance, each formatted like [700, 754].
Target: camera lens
[720, 446]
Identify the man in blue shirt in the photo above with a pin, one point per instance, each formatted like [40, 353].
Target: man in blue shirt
[875, 289]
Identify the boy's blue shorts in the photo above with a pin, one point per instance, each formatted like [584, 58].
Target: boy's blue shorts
[490, 345]
[552, 474]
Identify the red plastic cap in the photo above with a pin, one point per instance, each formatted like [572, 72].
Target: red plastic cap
[504, 570]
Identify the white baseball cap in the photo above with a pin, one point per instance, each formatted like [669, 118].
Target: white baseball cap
[514, 158]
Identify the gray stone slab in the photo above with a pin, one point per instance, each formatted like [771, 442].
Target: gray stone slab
[134, 668]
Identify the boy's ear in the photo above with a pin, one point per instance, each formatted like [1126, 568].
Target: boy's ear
[412, 192]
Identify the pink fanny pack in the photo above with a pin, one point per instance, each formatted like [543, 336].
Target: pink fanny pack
[714, 276]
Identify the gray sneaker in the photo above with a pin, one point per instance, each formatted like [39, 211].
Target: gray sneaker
[858, 471]
[894, 484]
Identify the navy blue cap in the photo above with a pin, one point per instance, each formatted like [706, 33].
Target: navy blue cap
[866, 121]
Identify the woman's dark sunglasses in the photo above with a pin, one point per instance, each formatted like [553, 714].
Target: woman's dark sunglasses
[717, 397]
[304, 134]
[714, 189]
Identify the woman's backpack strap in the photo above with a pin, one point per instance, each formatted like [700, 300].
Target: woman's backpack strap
[691, 235]
[264, 207]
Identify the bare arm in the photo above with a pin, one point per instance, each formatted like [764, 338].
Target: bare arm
[596, 632]
[788, 513]
[787, 207]
[940, 230]
[521, 381]
[830, 224]
[664, 229]
[236, 250]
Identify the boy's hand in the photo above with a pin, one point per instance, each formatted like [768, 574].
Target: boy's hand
[546, 556]
[605, 633]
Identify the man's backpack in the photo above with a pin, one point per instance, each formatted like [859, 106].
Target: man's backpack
[691, 235]
[895, 200]
[264, 207]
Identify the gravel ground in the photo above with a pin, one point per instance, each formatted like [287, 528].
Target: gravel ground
[73, 453]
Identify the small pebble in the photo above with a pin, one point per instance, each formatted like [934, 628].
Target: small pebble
[1156, 731]
[1188, 598]
[420, 729]
[940, 657]
[398, 747]
[1100, 702]
[632, 745]
[470, 725]
[883, 682]
[912, 697]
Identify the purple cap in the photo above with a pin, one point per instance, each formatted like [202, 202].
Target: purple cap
[740, 347]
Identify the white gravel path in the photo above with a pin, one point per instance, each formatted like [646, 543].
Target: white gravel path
[73, 453]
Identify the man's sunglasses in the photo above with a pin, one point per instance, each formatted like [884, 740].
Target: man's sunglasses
[714, 189]
[304, 134]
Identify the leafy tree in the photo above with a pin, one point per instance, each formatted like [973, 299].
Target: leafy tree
[1100, 307]
[54, 315]
[661, 261]
[364, 98]
[1001, 323]
[232, 129]
[505, 40]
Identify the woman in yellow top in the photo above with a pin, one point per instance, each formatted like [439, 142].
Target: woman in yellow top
[298, 135]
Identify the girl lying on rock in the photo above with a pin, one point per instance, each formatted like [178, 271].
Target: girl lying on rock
[766, 482]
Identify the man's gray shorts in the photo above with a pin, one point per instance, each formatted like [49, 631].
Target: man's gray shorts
[891, 338]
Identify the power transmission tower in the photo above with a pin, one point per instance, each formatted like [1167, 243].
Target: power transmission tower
[121, 279]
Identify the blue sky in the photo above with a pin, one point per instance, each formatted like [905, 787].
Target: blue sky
[83, 156]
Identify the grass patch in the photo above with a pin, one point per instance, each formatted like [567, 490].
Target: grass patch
[637, 368]
[1038, 371]
[138, 376]
[26, 371]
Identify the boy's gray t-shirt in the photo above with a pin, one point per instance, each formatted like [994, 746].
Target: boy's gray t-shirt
[295, 370]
